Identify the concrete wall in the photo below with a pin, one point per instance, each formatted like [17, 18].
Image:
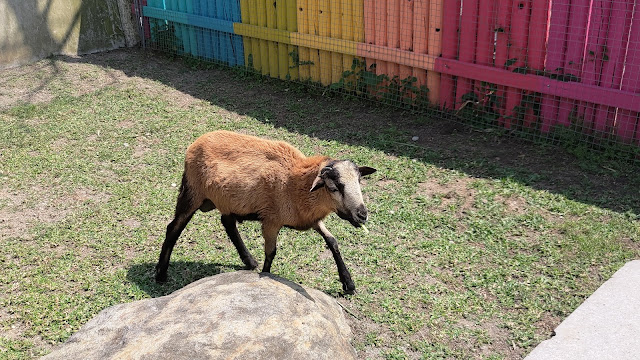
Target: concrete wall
[34, 29]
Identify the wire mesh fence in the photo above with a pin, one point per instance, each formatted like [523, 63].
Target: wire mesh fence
[561, 70]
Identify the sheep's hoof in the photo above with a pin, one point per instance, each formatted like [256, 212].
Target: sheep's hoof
[161, 278]
[349, 289]
[251, 265]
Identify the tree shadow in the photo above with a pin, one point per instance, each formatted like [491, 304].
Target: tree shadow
[442, 140]
[181, 274]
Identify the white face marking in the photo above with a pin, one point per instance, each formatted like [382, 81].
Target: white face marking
[346, 190]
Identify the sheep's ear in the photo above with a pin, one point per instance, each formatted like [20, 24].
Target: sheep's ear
[317, 184]
[365, 170]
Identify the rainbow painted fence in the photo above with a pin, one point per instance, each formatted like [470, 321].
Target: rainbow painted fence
[533, 65]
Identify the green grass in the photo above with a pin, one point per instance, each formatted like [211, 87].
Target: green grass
[465, 258]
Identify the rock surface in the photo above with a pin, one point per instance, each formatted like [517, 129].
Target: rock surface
[240, 315]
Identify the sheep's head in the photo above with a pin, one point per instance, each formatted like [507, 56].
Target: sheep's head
[341, 178]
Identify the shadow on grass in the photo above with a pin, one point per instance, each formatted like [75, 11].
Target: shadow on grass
[488, 153]
[181, 274]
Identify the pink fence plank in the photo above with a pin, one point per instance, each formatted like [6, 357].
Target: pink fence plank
[520, 16]
[536, 49]
[614, 64]
[573, 90]
[626, 121]
[574, 52]
[503, 25]
[451, 21]
[466, 53]
[484, 51]
[594, 53]
[559, 21]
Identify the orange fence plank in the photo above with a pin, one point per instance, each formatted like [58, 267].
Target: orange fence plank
[434, 47]
[406, 35]
[420, 39]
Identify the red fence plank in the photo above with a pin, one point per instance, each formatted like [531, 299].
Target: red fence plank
[574, 52]
[626, 121]
[613, 66]
[466, 52]
[536, 50]
[451, 14]
[597, 29]
[559, 21]
[518, 30]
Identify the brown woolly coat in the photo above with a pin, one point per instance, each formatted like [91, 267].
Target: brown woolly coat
[245, 175]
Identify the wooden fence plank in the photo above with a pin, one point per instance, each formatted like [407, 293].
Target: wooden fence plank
[451, 16]
[613, 65]
[393, 34]
[303, 28]
[520, 17]
[270, 7]
[626, 121]
[314, 54]
[335, 32]
[380, 33]
[573, 90]
[555, 58]
[434, 47]
[597, 29]
[281, 24]
[503, 32]
[292, 26]
[406, 35]
[466, 51]
[324, 29]
[536, 49]
[261, 10]
[420, 39]
[256, 57]
[348, 31]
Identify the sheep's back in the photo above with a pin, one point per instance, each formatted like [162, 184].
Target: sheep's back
[241, 174]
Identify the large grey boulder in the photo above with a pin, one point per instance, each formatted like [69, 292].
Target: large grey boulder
[240, 315]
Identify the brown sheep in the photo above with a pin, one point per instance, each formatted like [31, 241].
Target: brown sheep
[248, 178]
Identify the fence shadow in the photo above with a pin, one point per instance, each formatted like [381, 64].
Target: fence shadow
[443, 142]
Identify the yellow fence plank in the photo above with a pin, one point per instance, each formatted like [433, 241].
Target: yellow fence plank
[255, 43]
[324, 29]
[292, 14]
[303, 28]
[264, 50]
[281, 24]
[270, 6]
[314, 54]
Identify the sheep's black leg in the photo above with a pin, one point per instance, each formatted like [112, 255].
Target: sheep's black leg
[270, 235]
[230, 226]
[184, 212]
[345, 277]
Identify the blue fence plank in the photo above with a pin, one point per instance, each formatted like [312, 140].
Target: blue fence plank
[203, 27]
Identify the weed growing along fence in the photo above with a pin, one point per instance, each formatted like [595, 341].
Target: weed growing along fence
[563, 70]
